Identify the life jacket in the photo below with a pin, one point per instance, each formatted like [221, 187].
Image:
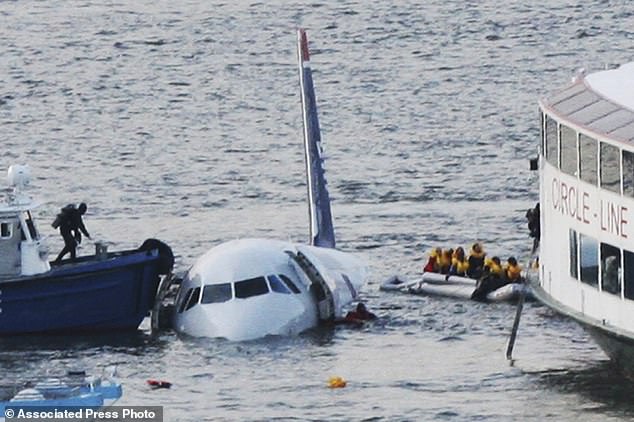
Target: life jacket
[494, 268]
[476, 258]
[477, 255]
[460, 267]
[513, 272]
[445, 261]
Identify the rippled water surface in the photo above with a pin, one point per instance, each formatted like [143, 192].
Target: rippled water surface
[181, 120]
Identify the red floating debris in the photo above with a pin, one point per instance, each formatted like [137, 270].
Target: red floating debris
[156, 384]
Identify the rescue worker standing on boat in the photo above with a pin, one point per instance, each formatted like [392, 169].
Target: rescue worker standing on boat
[71, 226]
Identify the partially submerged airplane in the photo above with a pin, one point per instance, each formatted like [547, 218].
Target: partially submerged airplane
[250, 288]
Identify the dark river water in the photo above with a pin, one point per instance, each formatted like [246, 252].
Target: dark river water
[181, 121]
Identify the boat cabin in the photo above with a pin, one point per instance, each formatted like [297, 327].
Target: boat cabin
[22, 250]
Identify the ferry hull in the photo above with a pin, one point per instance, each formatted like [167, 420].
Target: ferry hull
[617, 344]
[112, 293]
[620, 349]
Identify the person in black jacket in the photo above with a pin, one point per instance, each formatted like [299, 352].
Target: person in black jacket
[533, 218]
[71, 226]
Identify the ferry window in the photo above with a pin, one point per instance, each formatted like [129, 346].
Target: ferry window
[589, 260]
[628, 271]
[289, 284]
[568, 150]
[217, 293]
[610, 269]
[277, 285]
[251, 287]
[551, 141]
[628, 173]
[610, 167]
[5, 230]
[588, 159]
[574, 272]
[193, 299]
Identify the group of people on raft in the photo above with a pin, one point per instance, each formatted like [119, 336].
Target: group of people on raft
[489, 272]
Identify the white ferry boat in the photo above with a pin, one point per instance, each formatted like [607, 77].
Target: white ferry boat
[586, 177]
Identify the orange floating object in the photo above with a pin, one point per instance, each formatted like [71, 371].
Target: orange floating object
[336, 382]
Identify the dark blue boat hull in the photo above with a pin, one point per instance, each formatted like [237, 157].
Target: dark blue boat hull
[87, 295]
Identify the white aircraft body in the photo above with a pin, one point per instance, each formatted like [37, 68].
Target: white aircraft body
[250, 288]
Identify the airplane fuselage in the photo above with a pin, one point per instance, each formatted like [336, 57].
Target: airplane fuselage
[249, 288]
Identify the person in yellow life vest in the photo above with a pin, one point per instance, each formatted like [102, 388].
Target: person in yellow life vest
[513, 270]
[476, 261]
[459, 263]
[493, 266]
[492, 279]
[432, 265]
[445, 261]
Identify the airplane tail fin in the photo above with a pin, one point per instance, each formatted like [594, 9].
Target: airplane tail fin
[322, 232]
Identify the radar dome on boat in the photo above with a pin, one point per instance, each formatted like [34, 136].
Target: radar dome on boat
[19, 175]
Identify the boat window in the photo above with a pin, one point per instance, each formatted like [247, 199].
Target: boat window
[574, 272]
[589, 260]
[251, 287]
[193, 299]
[588, 158]
[568, 150]
[289, 283]
[610, 167]
[551, 141]
[217, 293]
[628, 271]
[30, 225]
[185, 300]
[610, 269]
[628, 173]
[5, 230]
[277, 285]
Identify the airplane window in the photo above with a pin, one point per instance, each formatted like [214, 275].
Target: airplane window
[185, 298]
[289, 283]
[217, 293]
[251, 287]
[277, 285]
[193, 299]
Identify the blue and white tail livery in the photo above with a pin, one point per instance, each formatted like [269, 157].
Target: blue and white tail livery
[250, 288]
[322, 232]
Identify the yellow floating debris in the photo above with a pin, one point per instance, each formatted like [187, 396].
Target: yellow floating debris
[336, 382]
